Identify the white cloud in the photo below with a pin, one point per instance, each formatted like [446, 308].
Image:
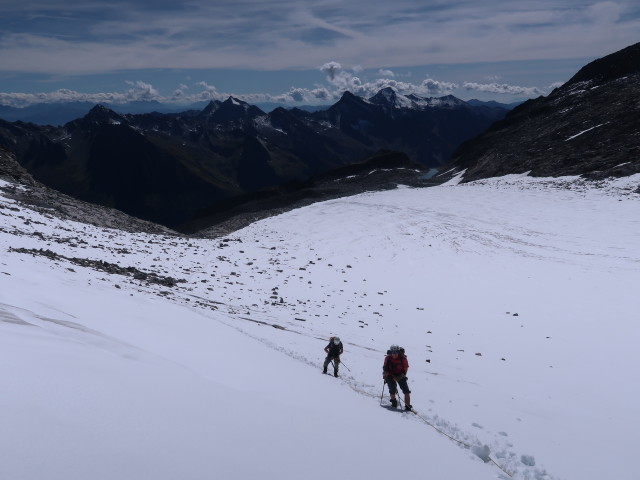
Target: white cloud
[331, 69]
[64, 95]
[298, 94]
[503, 88]
[321, 93]
[209, 92]
[386, 73]
[180, 92]
[435, 87]
[338, 82]
[142, 91]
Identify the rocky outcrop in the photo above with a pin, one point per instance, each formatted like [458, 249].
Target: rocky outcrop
[10, 169]
[590, 126]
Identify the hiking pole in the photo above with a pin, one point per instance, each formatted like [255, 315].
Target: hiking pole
[384, 382]
[345, 365]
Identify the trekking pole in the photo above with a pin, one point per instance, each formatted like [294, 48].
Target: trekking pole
[384, 382]
[345, 365]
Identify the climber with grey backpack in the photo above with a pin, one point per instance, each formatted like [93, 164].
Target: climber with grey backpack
[333, 351]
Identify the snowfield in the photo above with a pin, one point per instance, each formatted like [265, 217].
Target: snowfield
[192, 358]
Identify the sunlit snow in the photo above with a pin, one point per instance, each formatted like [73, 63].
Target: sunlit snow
[515, 299]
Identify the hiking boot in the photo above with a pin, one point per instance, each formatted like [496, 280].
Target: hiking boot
[394, 402]
[324, 371]
[335, 374]
[408, 408]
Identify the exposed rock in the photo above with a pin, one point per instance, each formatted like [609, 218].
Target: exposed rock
[383, 171]
[101, 265]
[10, 169]
[590, 126]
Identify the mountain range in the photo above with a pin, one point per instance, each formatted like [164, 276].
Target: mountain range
[192, 169]
[59, 113]
[167, 167]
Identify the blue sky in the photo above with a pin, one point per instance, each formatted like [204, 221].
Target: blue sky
[301, 51]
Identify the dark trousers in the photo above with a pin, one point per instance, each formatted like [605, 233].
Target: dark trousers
[336, 361]
[393, 385]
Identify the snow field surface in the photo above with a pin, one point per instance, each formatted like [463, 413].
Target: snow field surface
[515, 299]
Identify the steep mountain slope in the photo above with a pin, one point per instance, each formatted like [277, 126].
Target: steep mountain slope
[384, 171]
[590, 126]
[167, 167]
[46, 201]
[427, 129]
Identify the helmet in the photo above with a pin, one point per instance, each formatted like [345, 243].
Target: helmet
[394, 349]
[336, 340]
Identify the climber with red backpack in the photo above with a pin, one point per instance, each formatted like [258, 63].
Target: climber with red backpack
[333, 351]
[394, 372]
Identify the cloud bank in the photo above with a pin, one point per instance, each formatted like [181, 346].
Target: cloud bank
[504, 89]
[338, 80]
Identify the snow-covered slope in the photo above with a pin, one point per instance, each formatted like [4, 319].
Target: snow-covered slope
[515, 299]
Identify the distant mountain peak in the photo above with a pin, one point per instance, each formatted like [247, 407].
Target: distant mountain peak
[452, 101]
[100, 108]
[387, 93]
[235, 101]
[230, 109]
[103, 115]
[390, 98]
[347, 96]
[211, 107]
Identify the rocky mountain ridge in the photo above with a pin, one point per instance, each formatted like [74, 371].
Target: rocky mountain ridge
[167, 167]
[589, 126]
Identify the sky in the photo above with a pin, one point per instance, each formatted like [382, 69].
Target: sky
[300, 52]
[518, 317]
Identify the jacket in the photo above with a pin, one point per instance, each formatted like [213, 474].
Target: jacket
[395, 366]
[333, 350]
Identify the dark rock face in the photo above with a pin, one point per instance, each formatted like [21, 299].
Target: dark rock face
[428, 130]
[383, 171]
[590, 126]
[167, 167]
[11, 170]
[49, 201]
